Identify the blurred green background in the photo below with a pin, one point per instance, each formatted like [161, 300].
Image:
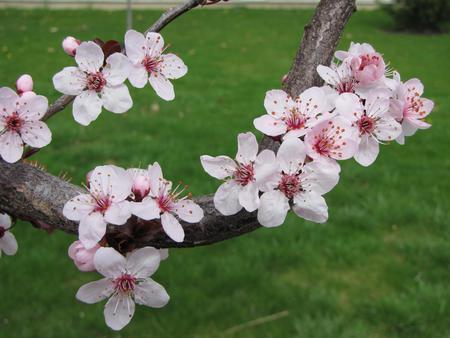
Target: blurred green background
[380, 267]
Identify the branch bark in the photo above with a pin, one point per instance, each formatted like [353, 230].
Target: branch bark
[31, 194]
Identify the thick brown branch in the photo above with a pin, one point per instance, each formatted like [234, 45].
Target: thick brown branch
[31, 194]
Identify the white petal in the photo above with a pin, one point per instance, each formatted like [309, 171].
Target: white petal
[226, 198]
[269, 125]
[135, 45]
[143, 262]
[249, 197]
[147, 210]
[151, 294]
[109, 262]
[112, 181]
[319, 176]
[189, 211]
[291, 155]
[79, 207]
[162, 86]
[118, 311]
[313, 101]
[273, 209]
[11, 146]
[328, 75]
[5, 221]
[172, 227]
[172, 67]
[94, 292]
[349, 106]
[89, 57]
[247, 148]
[91, 230]
[156, 177]
[155, 44]
[219, 167]
[408, 128]
[276, 102]
[118, 213]
[7, 93]
[8, 244]
[311, 206]
[138, 76]
[33, 108]
[266, 170]
[87, 107]
[367, 151]
[117, 99]
[387, 129]
[70, 81]
[117, 69]
[36, 134]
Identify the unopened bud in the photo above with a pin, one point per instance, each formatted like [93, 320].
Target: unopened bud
[70, 44]
[24, 84]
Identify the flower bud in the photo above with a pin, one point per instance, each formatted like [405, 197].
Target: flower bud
[24, 84]
[82, 257]
[284, 78]
[70, 44]
[141, 187]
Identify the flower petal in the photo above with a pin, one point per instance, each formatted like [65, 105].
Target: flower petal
[79, 207]
[117, 69]
[135, 45]
[151, 294]
[143, 262]
[118, 213]
[117, 99]
[219, 167]
[226, 198]
[273, 209]
[276, 102]
[70, 81]
[33, 108]
[311, 206]
[5, 221]
[94, 292]
[172, 67]
[189, 211]
[156, 177]
[89, 57]
[91, 230]
[172, 227]
[162, 86]
[109, 262]
[247, 148]
[147, 210]
[249, 197]
[270, 125]
[112, 181]
[87, 107]
[36, 134]
[155, 44]
[11, 146]
[291, 155]
[118, 311]
[138, 76]
[8, 244]
[367, 151]
[266, 170]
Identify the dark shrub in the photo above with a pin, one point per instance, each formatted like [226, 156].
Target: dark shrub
[424, 16]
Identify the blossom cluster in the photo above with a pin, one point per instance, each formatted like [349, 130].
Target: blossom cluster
[362, 105]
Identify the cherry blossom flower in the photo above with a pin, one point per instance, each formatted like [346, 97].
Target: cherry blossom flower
[20, 124]
[70, 45]
[331, 140]
[109, 188]
[367, 65]
[371, 121]
[82, 257]
[298, 184]
[127, 281]
[95, 84]
[289, 117]
[243, 176]
[410, 107]
[8, 243]
[166, 203]
[151, 65]
[141, 183]
[24, 84]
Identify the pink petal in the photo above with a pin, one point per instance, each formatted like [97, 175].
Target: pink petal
[226, 198]
[135, 46]
[118, 311]
[269, 125]
[33, 108]
[118, 213]
[109, 262]
[117, 69]
[87, 107]
[79, 207]
[95, 292]
[138, 76]
[219, 167]
[11, 146]
[147, 210]
[154, 43]
[89, 57]
[172, 67]
[172, 227]
[367, 151]
[91, 230]
[70, 81]
[151, 294]
[311, 206]
[189, 211]
[249, 197]
[162, 86]
[276, 102]
[143, 262]
[247, 148]
[273, 209]
[36, 134]
[117, 99]
[291, 155]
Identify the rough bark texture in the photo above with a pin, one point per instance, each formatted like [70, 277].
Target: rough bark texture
[31, 194]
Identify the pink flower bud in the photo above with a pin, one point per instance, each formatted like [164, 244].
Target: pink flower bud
[70, 44]
[24, 84]
[82, 257]
[284, 78]
[141, 187]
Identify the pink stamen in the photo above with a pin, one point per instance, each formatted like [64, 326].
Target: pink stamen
[13, 122]
[95, 81]
[103, 203]
[125, 283]
[151, 64]
[244, 174]
[294, 120]
[366, 125]
[290, 185]
[369, 59]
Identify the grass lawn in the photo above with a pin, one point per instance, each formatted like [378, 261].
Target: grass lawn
[380, 267]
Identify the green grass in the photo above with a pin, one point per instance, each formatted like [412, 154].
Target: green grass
[379, 268]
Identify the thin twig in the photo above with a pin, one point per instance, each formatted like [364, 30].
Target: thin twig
[256, 322]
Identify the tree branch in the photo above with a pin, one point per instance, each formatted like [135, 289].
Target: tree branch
[31, 194]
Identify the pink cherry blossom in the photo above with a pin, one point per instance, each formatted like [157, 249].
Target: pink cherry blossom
[166, 203]
[331, 140]
[151, 65]
[126, 282]
[82, 257]
[24, 84]
[298, 185]
[367, 65]
[105, 203]
[95, 84]
[409, 107]
[371, 122]
[289, 117]
[8, 243]
[141, 183]
[243, 176]
[20, 124]
[70, 45]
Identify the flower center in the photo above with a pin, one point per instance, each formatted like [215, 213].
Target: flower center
[2, 231]
[151, 64]
[369, 59]
[13, 122]
[165, 202]
[366, 124]
[244, 174]
[289, 185]
[294, 120]
[125, 283]
[346, 87]
[103, 204]
[96, 81]
[323, 144]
